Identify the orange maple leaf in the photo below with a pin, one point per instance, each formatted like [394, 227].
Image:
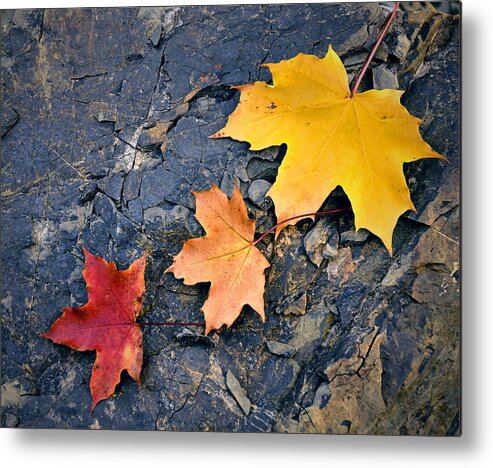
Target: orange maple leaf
[226, 257]
[334, 138]
[106, 323]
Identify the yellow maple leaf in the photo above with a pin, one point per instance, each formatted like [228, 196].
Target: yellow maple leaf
[226, 257]
[333, 139]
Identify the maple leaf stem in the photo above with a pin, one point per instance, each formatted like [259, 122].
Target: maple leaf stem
[305, 215]
[375, 47]
[170, 324]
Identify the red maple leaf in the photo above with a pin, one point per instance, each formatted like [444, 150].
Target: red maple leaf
[106, 324]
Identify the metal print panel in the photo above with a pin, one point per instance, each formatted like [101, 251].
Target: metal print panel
[232, 218]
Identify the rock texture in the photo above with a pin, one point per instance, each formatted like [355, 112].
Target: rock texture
[105, 118]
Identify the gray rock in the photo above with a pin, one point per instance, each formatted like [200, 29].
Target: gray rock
[322, 396]
[355, 237]
[257, 191]
[331, 247]
[281, 349]
[135, 211]
[187, 337]
[156, 36]
[321, 241]
[402, 47]
[296, 307]
[9, 119]
[274, 380]
[131, 186]
[383, 78]
[228, 183]
[106, 117]
[177, 217]
[155, 217]
[262, 169]
[112, 185]
[155, 186]
[11, 420]
[237, 391]
[88, 192]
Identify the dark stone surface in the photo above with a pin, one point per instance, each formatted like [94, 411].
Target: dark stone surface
[105, 118]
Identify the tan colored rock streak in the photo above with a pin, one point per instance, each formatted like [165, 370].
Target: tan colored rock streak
[355, 393]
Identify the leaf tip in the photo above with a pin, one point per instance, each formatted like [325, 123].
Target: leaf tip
[442, 158]
[262, 315]
[237, 190]
[388, 244]
[330, 52]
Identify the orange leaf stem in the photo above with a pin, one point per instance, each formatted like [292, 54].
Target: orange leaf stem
[375, 47]
[305, 215]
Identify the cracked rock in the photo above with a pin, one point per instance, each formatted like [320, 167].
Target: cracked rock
[106, 117]
[356, 237]
[9, 119]
[237, 391]
[257, 191]
[281, 349]
[297, 307]
[112, 185]
[383, 78]
[131, 186]
[187, 337]
[262, 169]
[321, 241]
